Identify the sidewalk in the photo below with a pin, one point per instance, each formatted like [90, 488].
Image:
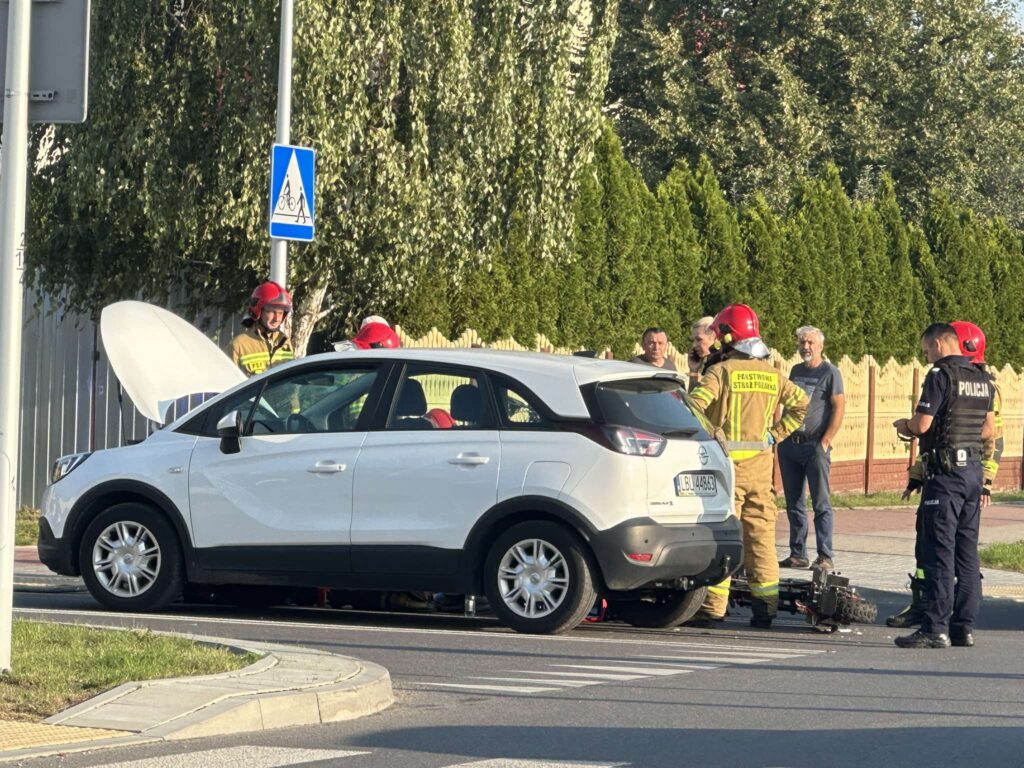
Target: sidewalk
[875, 546]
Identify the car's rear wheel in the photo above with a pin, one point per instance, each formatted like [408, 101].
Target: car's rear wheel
[131, 558]
[661, 609]
[537, 578]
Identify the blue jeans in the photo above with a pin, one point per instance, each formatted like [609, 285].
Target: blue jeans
[806, 464]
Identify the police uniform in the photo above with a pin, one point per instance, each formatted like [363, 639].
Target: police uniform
[991, 453]
[740, 395]
[254, 350]
[958, 395]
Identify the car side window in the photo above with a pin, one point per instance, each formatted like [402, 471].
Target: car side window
[242, 401]
[517, 409]
[441, 398]
[313, 401]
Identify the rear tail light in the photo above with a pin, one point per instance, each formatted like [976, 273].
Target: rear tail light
[627, 440]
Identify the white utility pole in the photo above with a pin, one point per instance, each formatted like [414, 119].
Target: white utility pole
[279, 248]
[13, 187]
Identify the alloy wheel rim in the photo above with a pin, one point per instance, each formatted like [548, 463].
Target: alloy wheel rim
[126, 559]
[533, 578]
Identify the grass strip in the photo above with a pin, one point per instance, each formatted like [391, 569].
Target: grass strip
[55, 666]
[26, 526]
[1008, 556]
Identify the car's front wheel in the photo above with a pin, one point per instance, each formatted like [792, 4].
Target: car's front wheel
[661, 609]
[537, 579]
[131, 558]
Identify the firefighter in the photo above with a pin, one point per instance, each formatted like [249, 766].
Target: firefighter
[953, 417]
[264, 344]
[972, 345]
[741, 395]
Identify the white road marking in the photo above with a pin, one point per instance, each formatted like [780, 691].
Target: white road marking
[600, 676]
[566, 683]
[642, 671]
[498, 688]
[239, 757]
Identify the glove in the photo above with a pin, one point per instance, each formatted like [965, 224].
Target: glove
[771, 439]
[986, 492]
[914, 486]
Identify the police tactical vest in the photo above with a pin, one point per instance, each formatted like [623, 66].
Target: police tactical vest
[958, 423]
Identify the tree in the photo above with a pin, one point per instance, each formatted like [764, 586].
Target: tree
[162, 194]
[724, 267]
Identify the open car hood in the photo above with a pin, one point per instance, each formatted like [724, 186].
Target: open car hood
[159, 358]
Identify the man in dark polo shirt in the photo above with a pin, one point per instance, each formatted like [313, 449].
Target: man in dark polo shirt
[655, 344]
[805, 457]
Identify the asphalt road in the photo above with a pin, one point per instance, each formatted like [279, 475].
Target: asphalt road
[472, 694]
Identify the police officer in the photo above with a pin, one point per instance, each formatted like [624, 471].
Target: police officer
[264, 343]
[740, 395]
[972, 346]
[952, 418]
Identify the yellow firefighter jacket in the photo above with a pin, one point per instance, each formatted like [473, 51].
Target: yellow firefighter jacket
[740, 395]
[254, 351]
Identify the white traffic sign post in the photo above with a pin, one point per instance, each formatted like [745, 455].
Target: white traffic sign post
[292, 193]
[279, 248]
[13, 182]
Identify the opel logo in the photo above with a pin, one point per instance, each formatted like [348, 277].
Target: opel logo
[702, 454]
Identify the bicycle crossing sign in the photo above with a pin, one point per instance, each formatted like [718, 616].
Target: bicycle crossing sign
[292, 194]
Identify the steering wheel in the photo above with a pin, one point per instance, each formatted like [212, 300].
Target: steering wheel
[297, 424]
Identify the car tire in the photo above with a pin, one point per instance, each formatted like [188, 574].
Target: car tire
[538, 580]
[669, 608]
[130, 558]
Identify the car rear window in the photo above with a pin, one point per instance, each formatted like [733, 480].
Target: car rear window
[655, 405]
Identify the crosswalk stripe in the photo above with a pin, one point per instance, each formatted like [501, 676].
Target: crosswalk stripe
[566, 683]
[597, 675]
[643, 671]
[497, 688]
[721, 661]
[240, 757]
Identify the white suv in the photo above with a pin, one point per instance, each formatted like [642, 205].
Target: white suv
[537, 480]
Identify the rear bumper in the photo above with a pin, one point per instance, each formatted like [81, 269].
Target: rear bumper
[54, 553]
[682, 556]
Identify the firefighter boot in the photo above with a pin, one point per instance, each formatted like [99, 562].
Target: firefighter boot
[912, 614]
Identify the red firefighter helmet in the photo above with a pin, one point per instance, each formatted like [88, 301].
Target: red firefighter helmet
[269, 295]
[972, 340]
[375, 336]
[736, 323]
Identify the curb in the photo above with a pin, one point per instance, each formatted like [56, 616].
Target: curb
[289, 686]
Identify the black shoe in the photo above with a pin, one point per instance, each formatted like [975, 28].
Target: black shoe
[921, 639]
[961, 639]
[794, 562]
[761, 622]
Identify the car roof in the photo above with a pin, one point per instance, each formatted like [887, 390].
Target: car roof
[556, 379]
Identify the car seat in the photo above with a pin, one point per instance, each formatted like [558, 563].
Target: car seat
[411, 407]
[468, 406]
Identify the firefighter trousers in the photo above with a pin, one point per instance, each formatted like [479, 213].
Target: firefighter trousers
[755, 504]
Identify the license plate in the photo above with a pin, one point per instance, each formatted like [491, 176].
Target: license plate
[696, 484]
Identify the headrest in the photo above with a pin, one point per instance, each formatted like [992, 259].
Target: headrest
[411, 400]
[467, 404]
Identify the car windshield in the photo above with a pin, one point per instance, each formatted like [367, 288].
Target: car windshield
[654, 405]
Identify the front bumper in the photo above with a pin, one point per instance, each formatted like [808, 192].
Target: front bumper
[682, 556]
[55, 553]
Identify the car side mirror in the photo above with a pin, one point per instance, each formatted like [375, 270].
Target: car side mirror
[230, 430]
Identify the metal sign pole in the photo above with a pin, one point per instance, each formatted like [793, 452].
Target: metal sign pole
[279, 248]
[13, 183]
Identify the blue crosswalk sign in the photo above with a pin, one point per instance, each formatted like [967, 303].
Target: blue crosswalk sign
[292, 193]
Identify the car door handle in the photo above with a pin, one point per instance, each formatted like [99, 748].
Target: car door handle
[469, 459]
[327, 468]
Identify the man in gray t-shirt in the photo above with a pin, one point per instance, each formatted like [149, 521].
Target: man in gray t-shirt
[805, 457]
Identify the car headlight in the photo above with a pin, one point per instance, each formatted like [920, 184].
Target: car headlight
[65, 464]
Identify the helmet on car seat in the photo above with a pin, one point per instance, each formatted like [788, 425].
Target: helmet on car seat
[376, 335]
[972, 340]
